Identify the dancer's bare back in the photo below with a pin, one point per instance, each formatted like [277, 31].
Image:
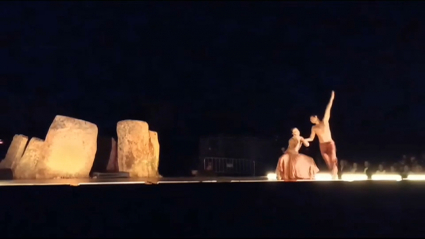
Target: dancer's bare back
[295, 144]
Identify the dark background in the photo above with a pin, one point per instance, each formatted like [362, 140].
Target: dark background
[203, 68]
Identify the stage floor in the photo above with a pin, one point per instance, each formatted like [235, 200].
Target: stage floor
[112, 181]
[210, 207]
[265, 179]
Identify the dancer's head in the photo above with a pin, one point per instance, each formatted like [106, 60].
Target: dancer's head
[295, 132]
[314, 119]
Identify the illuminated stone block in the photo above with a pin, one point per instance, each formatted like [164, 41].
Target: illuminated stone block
[25, 168]
[135, 151]
[69, 149]
[15, 151]
[154, 147]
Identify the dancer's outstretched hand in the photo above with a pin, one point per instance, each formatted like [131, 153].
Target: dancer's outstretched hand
[333, 94]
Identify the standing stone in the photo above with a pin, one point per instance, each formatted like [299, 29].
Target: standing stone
[154, 142]
[26, 167]
[15, 151]
[135, 154]
[113, 158]
[69, 149]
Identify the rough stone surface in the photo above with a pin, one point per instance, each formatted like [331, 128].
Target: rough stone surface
[113, 158]
[69, 149]
[135, 153]
[15, 151]
[154, 144]
[25, 168]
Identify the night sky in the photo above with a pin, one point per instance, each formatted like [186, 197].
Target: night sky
[205, 68]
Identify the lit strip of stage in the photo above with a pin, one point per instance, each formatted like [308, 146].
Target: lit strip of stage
[321, 177]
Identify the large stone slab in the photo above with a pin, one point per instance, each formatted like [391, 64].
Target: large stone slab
[154, 144]
[135, 153]
[25, 168]
[113, 158]
[15, 151]
[69, 149]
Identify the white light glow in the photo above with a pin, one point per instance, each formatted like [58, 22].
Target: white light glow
[416, 177]
[353, 177]
[165, 182]
[271, 176]
[323, 177]
[108, 183]
[209, 181]
[250, 181]
[386, 177]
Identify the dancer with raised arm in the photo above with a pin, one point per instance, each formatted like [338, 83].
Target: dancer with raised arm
[293, 165]
[327, 145]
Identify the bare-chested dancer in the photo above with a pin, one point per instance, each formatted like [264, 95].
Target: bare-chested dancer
[327, 145]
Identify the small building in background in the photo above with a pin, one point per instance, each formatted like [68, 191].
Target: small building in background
[237, 156]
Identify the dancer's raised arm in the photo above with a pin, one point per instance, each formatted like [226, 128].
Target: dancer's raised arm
[327, 115]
